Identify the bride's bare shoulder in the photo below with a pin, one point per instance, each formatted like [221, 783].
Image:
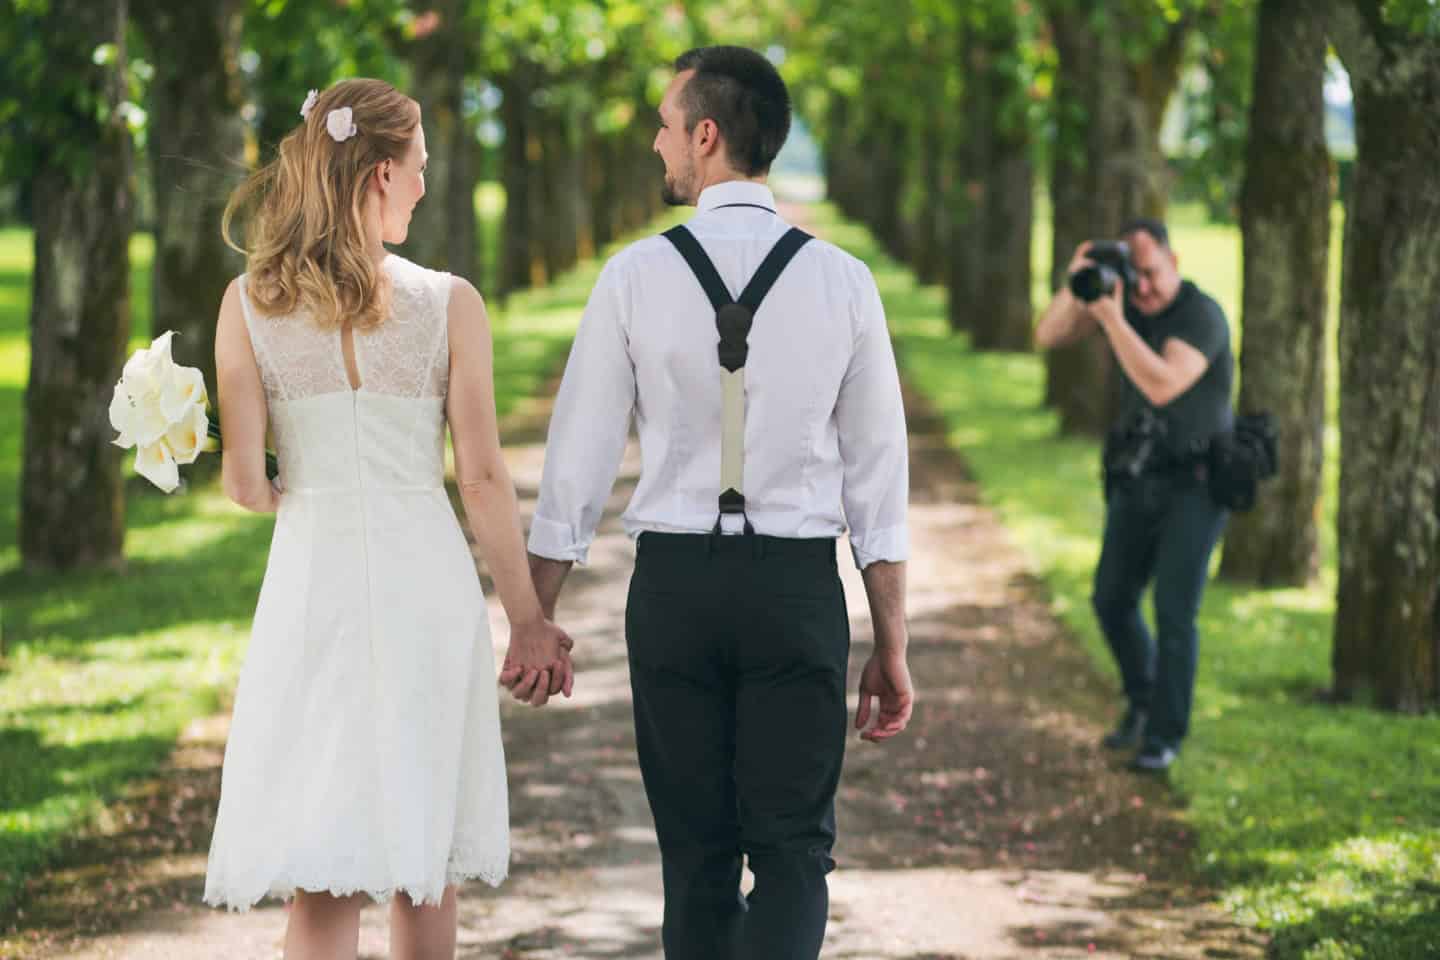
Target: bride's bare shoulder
[466, 304]
[232, 315]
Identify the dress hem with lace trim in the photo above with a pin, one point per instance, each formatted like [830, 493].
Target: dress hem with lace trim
[421, 895]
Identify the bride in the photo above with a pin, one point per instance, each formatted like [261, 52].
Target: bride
[364, 757]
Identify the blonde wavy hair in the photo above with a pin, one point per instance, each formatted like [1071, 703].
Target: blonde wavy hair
[305, 242]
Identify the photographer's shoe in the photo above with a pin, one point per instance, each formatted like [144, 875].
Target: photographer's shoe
[1154, 758]
[1128, 733]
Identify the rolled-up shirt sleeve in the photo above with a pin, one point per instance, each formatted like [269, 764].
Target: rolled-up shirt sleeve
[588, 427]
[870, 419]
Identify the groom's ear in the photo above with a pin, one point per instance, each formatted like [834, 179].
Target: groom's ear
[709, 136]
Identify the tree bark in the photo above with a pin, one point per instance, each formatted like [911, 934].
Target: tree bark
[517, 243]
[558, 223]
[197, 146]
[580, 180]
[1003, 311]
[444, 230]
[72, 506]
[967, 204]
[1387, 617]
[604, 202]
[647, 202]
[1285, 219]
[884, 187]
[1108, 168]
[930, 231]
[843, 176]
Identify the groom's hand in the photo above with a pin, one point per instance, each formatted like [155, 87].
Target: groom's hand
[886, 678]
[537, 663]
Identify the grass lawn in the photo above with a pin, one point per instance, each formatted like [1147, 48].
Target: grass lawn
[1320, 825]
[105, 669]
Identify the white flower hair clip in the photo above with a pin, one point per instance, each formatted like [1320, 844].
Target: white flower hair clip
[340, 123]
[309, 103]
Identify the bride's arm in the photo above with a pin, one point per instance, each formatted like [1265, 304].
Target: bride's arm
[241, 398]
[488, 493]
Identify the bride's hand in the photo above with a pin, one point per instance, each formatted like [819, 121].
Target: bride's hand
[537, 664]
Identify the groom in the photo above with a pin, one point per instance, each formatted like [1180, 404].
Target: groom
[753, 464]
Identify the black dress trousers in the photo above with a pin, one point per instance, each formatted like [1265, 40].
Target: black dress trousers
[738, 647]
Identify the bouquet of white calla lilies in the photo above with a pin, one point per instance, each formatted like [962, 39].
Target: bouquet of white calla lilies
[159, 407]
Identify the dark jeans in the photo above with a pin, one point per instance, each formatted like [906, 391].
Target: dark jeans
[1162, 527]
[738, 648]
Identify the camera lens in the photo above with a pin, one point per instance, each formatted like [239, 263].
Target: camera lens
[1090, 283]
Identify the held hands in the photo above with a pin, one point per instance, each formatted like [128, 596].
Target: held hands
[537, 665]
[886, 678]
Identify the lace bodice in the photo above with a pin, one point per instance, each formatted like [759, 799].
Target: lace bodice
[390, 432]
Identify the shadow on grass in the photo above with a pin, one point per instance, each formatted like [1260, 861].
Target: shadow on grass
[67, 611]
[48, 783]
[38, 769]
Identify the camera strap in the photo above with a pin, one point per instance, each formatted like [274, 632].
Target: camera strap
[733, 319]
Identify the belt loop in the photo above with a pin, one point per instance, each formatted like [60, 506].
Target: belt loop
[759, 546]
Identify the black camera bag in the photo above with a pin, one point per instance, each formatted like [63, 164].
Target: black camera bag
[1240, 458]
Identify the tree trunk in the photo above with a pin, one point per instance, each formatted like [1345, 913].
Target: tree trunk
[1003, 311]
[579, 177]
[930, 235]
[558, 223]
[1285, 218]
[1108, 168]
[967, 200]
[843, 180]
[444, 230]
[604, 203]
[197, 147]
[1005, 316]
[884, 186]
[517, 242]
[645, 201]
[1387, 617]
[72, 506]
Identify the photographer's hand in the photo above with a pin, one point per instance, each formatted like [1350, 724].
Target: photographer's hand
[1066, 320]
[1109, 310]
[1081, 257]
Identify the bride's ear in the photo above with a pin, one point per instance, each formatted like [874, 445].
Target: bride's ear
[381, 177]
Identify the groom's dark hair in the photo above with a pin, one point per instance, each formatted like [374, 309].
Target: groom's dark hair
[743, 93]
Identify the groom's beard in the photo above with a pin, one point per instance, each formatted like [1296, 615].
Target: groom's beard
[671, 198]
[676, 191]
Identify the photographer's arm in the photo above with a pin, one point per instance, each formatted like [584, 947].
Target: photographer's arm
[1066, 320]
[1161, 377]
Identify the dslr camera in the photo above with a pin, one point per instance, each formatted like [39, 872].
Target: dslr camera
[1111, 265]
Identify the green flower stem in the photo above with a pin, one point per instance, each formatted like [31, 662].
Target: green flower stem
[272, 465]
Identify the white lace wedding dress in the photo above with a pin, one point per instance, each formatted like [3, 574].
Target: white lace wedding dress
[364, 752]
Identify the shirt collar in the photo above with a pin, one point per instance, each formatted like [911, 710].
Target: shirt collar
[735, 191]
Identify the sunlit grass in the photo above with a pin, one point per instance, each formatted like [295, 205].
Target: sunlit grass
[104, 669]
[1319, 823]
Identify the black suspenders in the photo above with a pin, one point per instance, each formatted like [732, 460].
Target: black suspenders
[733, 319]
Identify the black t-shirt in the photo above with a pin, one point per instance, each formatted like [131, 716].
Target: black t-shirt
[1204, 409]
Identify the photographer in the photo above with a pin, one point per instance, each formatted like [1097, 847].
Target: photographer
[1172, 344]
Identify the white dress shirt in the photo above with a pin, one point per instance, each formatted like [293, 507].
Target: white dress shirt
[824, 424]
